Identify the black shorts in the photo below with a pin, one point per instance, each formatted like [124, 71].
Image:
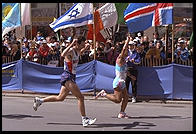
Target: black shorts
[66, 76]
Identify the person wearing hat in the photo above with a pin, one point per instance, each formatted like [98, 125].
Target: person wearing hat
[133, 59]
[68, 79]
[39, 36]
[181, 52]
[32, 55]
[44, 50]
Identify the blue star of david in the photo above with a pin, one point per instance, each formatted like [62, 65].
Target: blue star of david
[74, 13]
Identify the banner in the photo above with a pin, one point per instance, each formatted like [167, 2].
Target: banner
[171, 81]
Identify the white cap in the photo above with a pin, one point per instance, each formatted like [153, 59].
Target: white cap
[68, 39]
[135, 40]
[90, 41]
[44, 41]
[63, 44]
[131, 42]
[39, 42]
[181, 41]
[139, 34]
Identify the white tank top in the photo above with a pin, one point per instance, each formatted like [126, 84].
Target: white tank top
[71, 66]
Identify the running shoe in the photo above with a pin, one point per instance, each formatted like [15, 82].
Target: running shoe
[133, 99]
[37, 103]
[101, 93]
[122, 115]
[87, 121]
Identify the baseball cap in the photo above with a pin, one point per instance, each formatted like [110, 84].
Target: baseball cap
[44, 41]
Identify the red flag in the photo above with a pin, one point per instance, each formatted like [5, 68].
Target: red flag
[98, 28]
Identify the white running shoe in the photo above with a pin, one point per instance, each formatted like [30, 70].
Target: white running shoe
[122, 115]
[37, 103]
[101, 93]
[133, 99]
[87, 121]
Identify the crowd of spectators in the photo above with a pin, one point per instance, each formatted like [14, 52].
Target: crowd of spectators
[48, 48]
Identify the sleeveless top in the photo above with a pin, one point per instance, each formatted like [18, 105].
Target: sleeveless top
[72, 65]
[121, 71]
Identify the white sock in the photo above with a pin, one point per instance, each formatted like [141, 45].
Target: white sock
[104, 94]
[83, 117]
[41, 100]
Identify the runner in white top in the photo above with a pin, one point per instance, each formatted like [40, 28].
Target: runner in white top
[71, 58]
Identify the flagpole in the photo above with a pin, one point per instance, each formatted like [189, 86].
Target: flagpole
[172, 43]
[22, 90]
[20, 31]
[59, 14]
[94, 37]
[166, 41]
[31, 24]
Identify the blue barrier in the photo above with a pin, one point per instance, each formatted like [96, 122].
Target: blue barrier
[171, 81]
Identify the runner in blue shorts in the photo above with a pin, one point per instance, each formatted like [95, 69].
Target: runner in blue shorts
[71, 58]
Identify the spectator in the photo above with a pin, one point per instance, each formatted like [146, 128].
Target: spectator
[139, 37]
[25, 47]
[44, 52]
[85, 55]
[133, 59]
[15, 52]
[54, 52]
[153, 52]
[181, 52]
[108, 51]
[39, 36]
[32, 55]
[160, 47]
[155, 37]
[100, 55]
[5, 52]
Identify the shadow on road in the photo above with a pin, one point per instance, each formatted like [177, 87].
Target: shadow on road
[139, 125]
[19, 116]
[155, 117]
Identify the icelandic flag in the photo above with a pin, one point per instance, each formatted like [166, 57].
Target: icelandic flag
[140, 16]
[10, 15]
[78, 15]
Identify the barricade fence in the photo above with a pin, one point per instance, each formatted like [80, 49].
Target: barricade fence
[147, 62]
[171, 81]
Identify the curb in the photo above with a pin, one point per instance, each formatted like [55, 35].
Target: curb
[90, 96]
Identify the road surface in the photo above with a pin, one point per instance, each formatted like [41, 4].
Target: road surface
[18, 115]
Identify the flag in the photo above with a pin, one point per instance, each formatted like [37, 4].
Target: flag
[10, 16]
[78, 15]
[13, 16]
[140, 16]
[120, 8]
[105, 17]
[25, 14]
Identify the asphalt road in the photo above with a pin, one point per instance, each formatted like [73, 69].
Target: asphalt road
[18, 115]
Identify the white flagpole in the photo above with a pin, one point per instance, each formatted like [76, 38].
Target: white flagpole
[94, 37]
[20, 31]
[172, 43]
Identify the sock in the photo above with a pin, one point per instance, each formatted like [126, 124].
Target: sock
[83, 117]
[104, 94]
[122, 112]
[41, 100]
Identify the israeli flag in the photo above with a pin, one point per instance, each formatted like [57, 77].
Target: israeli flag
[78, 15]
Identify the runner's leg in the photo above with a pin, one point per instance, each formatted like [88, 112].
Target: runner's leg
[76, 92]
[63, 93]
[116, 97]
[125, 100]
